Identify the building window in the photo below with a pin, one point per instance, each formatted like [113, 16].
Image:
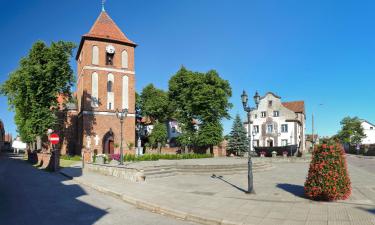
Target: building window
[95, 55]
[110, 106]
[173, 130]
[371, 128]
[269, 128]
[109, 59]
[284, 128]
[124, 59]
[255, 116]
[256, 143]
[269, 103]
[263, 114]
[94, 90]
[276, 113]
[256, 129]
[109, 86]
[284, 142]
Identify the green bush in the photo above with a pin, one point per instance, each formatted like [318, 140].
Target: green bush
[155, 157]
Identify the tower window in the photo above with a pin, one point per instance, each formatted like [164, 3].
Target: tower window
[109, 59]
[109, 86]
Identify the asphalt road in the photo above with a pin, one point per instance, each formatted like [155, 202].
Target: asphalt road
[366, 163]
[32, 196]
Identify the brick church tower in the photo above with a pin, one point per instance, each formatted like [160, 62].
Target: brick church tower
[105, 82]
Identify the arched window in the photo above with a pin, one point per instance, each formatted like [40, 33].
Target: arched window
[95, 55]
[124, 59]
[110, 94]
[125, 92]
[94, 90]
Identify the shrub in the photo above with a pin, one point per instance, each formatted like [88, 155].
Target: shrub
[114, 157]
[155, 157]
[328, 177]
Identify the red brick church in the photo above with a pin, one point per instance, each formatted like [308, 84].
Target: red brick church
[105, 83]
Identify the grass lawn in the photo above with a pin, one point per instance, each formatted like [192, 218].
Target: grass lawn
[67, 163]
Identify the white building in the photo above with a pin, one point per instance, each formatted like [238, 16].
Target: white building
[369, 130]
[277, 123]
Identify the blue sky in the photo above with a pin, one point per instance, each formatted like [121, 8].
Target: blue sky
[319, 51]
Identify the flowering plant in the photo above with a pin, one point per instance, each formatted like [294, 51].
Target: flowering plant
[285, 153]
[328, 177]
[114, 157]
[262, 153]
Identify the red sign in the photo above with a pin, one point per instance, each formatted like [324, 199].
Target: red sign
[54, 139]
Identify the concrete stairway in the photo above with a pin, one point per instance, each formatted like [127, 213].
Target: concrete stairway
[173, 170]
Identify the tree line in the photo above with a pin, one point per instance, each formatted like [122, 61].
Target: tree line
[198, 101]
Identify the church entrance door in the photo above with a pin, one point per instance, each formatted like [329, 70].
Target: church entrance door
[108, 143]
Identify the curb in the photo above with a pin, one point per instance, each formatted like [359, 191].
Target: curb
[154, 207]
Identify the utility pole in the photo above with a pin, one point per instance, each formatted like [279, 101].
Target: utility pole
[312, 138]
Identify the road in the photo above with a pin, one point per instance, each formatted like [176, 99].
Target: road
[366, 163]
[32, 196]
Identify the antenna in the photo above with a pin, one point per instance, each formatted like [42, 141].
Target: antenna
[103, 2]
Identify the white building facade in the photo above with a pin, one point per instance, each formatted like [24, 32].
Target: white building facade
[277, 123]
[369, 130]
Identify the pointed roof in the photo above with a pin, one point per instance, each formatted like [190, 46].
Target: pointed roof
[296, 106]
[105, 29]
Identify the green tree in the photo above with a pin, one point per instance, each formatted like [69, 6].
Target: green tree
[158, 136]
[238, 141]
[33, 87]
[351, 131]
[154, 103]
[200, 97]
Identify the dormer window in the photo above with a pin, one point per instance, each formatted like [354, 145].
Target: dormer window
[270, 103]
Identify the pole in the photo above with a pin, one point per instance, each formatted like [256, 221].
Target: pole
[121, 150]
[250, 189]
[312, 127]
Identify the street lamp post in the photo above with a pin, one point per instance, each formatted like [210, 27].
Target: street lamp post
[248, 110]
[121, 115]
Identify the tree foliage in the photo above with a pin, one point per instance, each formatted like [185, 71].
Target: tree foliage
[154, 103]
[203, 98]
[33, 87]
[238, 141]
[352, 131]
[159, 135]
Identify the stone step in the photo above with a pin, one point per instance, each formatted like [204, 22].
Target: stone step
[168, 173]
[202, 169]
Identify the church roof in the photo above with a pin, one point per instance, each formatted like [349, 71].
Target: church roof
[296, 106]
[105, 28]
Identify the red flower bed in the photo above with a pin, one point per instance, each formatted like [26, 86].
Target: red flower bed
[328, 177]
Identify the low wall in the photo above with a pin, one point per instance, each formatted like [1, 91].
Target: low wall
[130, 174]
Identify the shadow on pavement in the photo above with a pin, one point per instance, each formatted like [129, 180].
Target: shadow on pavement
[368, 210]
[32, 196]
[297, 190]
[225, 181]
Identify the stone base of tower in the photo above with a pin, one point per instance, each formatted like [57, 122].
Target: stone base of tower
[102, 133]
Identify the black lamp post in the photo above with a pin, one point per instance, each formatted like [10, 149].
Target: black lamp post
[248, 109]
[121, 115]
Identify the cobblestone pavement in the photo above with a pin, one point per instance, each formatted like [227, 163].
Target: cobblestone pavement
[220, 199]
[31, 196]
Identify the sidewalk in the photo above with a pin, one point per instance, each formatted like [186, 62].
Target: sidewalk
[221, 200]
